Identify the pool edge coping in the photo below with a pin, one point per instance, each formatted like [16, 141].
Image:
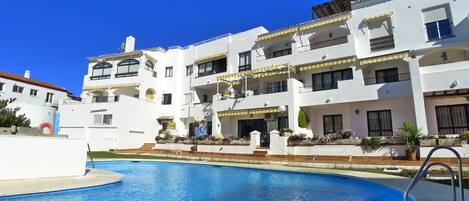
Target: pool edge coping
[94, 178]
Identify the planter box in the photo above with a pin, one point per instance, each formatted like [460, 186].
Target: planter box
[352, 141]
[392, 141]
[428, 142]
[456, 142]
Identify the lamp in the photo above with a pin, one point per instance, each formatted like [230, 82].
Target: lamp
[282, 108]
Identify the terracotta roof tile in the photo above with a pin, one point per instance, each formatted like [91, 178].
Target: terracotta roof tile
[19, 78]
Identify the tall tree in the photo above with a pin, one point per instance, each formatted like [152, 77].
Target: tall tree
[9, 116]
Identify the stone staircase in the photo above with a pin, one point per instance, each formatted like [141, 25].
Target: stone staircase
[147, 146]
[260, 152]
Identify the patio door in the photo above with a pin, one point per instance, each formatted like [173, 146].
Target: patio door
[245, 127]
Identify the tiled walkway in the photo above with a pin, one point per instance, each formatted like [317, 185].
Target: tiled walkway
[307, 161]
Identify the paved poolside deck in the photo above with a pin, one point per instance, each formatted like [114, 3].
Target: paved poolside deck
[93, 178]
[292, 160]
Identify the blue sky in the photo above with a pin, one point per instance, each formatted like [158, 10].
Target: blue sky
[52, 38]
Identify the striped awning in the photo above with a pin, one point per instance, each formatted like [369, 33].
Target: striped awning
[110, 86]
[163, 118]
[380, 16]
[327, 63]
[276, 34]
[333, 20]
[211, 57]
[261, 72]
[116, 56]
[247, 112]
[384, 58]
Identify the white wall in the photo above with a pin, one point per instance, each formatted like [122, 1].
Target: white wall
[26, 157]
[401, 111]
[431, 103]
[346, 150]
[134, 122]
[34, 107]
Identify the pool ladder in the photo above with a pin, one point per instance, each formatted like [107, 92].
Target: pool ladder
[89, 155]
[425, 167]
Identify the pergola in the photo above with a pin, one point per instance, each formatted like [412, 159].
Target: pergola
[236, 78]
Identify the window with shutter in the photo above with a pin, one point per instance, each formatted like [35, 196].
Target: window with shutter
[381, 35]
[437, 22]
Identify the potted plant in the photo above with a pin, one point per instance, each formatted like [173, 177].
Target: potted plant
[411, 135]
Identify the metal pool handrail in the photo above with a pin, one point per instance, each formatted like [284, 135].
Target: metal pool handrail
[425, 167]
[89, 154]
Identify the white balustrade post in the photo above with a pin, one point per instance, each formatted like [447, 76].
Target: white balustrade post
[255, 139]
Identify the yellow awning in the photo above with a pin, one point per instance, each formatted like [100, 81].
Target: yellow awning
[247, 112]
[211, 57]
[327, 63]
[384, 58]
[325, 22]
[278, 33]
[380, 16]
[110, 86]
[259, 72]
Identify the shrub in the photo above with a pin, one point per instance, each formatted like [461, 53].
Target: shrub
[296, 139]
[371, 143]
[179, 139]
[464, 136]
[329, 138]
[284, 131]
[346, 133]
[9, 116]
[303, 119]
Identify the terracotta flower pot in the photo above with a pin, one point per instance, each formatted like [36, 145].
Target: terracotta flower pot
[413, 155]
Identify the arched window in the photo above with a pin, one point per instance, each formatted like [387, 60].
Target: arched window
[149, 65]
[102, 71]
[128, 67]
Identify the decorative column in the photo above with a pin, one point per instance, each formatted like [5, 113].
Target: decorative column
[293, 100]
[216, 124]
[417, 95]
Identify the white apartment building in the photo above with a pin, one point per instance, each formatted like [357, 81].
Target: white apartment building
[365, 65]
[37, 99]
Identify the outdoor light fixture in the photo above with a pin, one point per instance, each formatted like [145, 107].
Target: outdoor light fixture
[357, 111]
[282, 108]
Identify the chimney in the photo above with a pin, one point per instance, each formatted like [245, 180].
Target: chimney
[129, 45]
[27, 74]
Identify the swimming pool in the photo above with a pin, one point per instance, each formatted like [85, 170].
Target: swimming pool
[166, 181]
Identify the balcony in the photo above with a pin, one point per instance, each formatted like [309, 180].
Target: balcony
[387, 79]
[257, 98]
[357, 4]
[323, 44]
[445, 76]
[129, 74]
[104, 99]
[101, 77]
[326, 50]
[355, 90]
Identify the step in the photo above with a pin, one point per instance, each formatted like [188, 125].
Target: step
[259, 153]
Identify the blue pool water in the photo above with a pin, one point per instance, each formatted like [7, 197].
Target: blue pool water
[186, 182]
